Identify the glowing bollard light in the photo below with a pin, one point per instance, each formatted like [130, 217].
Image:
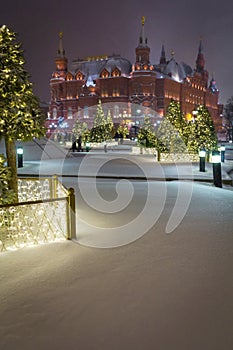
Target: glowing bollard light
[222, 150]
[20, 156]
[87, 146]
[217, 175]
[202, 154]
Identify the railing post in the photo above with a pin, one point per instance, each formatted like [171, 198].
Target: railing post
[71, 217]
[54, 184]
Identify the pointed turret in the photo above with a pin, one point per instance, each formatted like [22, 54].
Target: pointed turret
[61, 60]
[163, 56]
[142, 51]
[200, 61]
[213, 86]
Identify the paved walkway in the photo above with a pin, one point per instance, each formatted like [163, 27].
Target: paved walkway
[122, 165]
[45, 157]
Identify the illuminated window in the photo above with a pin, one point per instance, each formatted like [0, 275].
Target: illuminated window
[116, 73]
[116, 111]
[86, 112]
[115, 93]
[69, 77]
[104, 74]
[104, 93]
[69, 113]
[79, 76]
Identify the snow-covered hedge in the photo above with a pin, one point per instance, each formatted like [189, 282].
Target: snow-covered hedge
[166, 157]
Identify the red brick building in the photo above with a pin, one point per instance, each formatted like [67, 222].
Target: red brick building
[129, 89]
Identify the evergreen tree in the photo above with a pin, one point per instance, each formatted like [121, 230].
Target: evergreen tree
[177, 120]
[99, 131]
[109, 125]
[6, 196]
[228, 118]
[20, 115]
[80, 129]
[172, 132]
[123, 130]
[146, 135]
[202, 132]
[168, 139]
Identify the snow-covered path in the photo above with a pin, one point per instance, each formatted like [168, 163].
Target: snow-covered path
[163, 291]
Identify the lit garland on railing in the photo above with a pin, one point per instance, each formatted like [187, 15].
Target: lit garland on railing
[30, 223]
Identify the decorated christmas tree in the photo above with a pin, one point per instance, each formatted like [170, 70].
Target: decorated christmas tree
[6, 196]
[146, 135]
[80, 129]
[109, 125]
[99, 132]
[20, 115]
[172, 131]
[202, 132]
[177, 120]
[123, 130]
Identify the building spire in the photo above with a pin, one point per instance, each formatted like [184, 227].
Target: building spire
[200, 61]
[61, 51]
[142, 50]
[143, 39]
[200, 50]
[61, 60]
[163, 56]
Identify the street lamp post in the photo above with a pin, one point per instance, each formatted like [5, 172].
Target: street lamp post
[222, 149]
[20, 156]
[217, 175]
[202, 154]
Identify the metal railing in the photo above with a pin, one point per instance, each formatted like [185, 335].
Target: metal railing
[48, 216]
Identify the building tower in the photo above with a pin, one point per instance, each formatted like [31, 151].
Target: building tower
[57, 82]
[200, 65]
[142, 50]
[143, 76]
[61, 60]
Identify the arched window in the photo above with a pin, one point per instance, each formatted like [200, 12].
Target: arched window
[116, 111]
[104, 73]
[116, 72]
[86, 112]
[70, 113]
[79, 76]
[69, 76]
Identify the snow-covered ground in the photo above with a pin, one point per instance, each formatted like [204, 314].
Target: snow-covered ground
[162, 291]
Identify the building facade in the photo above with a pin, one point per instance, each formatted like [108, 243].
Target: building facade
[128, 89]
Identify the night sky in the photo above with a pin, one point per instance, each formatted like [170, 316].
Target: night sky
[104, 27]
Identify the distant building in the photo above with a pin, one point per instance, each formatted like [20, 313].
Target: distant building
[114, 80]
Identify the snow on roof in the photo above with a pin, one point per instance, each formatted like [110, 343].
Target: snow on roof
[92, 68]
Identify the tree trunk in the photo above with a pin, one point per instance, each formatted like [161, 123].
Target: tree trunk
[11, 162]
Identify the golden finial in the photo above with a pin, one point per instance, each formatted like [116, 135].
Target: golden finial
[61, 35]
[143, 20]
[172, 53]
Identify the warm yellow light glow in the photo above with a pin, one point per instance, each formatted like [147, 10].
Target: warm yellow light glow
[188, 116]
